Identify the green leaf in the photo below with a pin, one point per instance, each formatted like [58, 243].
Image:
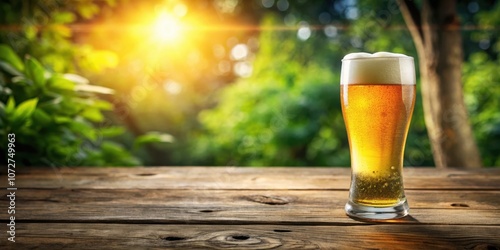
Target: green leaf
[103, 105]
[112, 131]
[26, 108]
[153, 137]
[76, 78]
[9, 56]
[30, 31]
[35, 71]
[84, 128]
[114, 154]
[24, 111]
[9, 69]
[58, 82]
[92, 114]
[87, 9]
[94, 103]
[62, 119]
[94, 89]
[63, 17]
[2, 110]
[41, 118]
[21, 80]
[11, 105]
[60, 30]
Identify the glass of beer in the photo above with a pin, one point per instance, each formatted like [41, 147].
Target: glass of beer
[377, 95]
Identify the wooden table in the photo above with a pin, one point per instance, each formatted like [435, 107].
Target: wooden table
[242, 208]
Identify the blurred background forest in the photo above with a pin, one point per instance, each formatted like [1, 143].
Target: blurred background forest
[212, 82]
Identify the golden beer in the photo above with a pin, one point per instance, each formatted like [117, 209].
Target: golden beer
[377, 118]
[377, 109]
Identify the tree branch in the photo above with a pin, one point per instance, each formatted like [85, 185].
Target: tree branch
[411, 14]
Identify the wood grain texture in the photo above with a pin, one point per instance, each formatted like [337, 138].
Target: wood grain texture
[243, 178]
[244, 208]
[146, 236]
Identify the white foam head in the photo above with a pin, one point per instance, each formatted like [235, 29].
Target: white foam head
[377, 68]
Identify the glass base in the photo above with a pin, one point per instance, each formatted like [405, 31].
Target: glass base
[377, 213]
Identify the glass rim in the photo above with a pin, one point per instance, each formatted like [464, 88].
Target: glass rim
[377, 58]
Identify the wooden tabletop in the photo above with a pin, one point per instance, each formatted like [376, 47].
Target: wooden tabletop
[242, 208]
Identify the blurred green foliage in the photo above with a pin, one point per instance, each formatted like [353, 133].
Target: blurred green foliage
[57, 119]
[60, 119]
[287, 112]
[481, 78]
[52, 116]
[40, 29]
[241, 130]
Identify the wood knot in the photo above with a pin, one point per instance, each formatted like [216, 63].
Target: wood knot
[145, 174]
[173, 238]
[486, 247]
[282, 230]
[237, 237]
[233, 239]
[459, 205]
[206, 211]
[269, 200]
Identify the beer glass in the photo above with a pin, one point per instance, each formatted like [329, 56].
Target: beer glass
[377, 95]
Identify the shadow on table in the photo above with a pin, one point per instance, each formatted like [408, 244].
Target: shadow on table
[438, 236]
[406, 219]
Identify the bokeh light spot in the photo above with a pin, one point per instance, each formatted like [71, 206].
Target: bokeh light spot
[267, 3]
[484, 44]
[304, 31]
[290, 19]
[224, 67]
[219, 51]
[282, 5]
[172, 87]
[330, 31]
[351, 13]
[239, 52]
[243, 69]
[473, 7]
[325, 17]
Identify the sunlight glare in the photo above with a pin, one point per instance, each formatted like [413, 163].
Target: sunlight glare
[167, 28]
[180, 10]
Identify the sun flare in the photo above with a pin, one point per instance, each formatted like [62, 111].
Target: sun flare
[167, 28]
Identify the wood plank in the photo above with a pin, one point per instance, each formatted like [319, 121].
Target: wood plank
[242, 206]
[480, 200]
[147, 236]
[217, 170]
[244, 178]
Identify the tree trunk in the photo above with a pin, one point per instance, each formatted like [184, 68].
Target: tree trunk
[436, 32]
